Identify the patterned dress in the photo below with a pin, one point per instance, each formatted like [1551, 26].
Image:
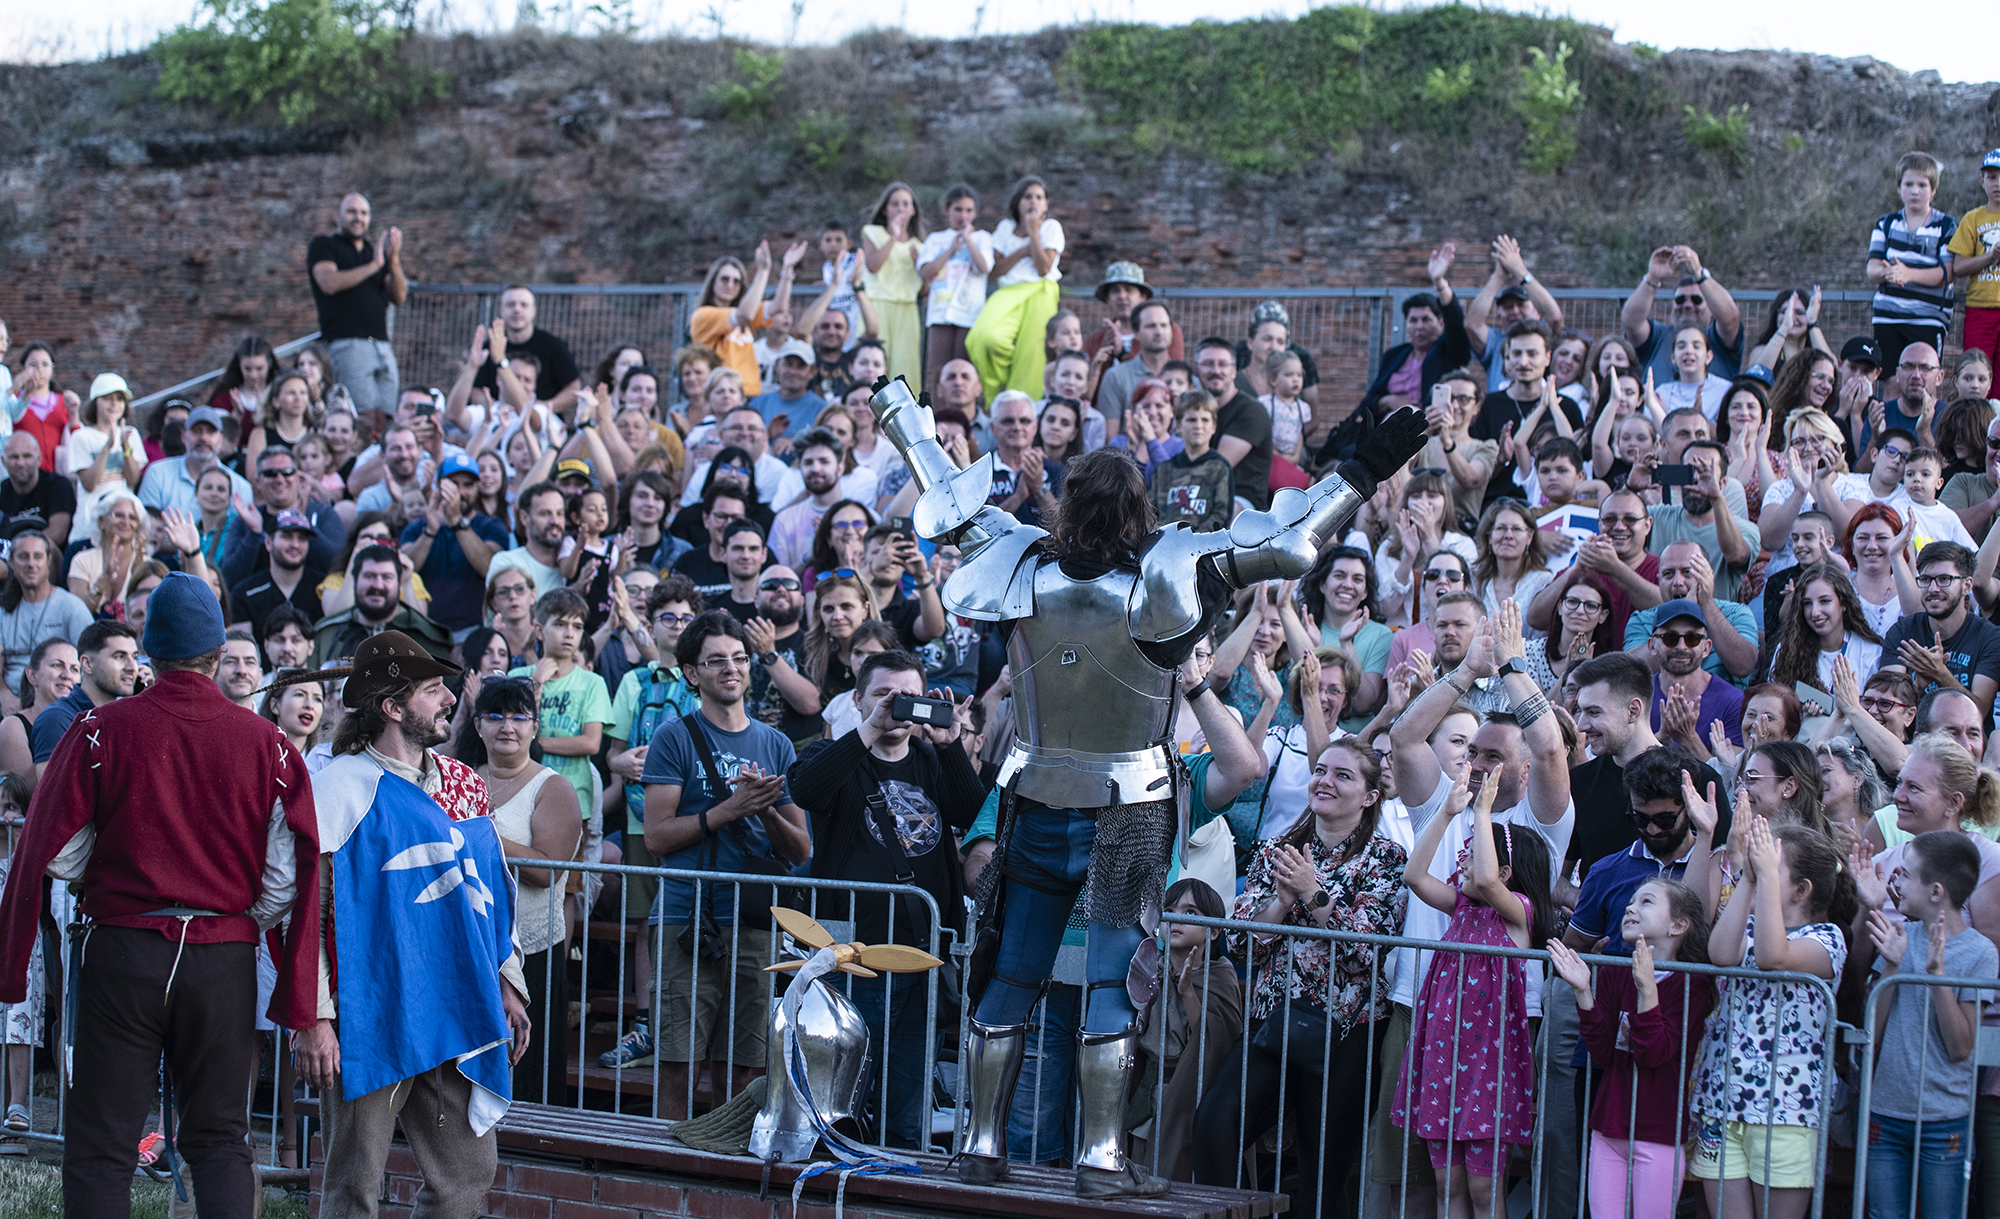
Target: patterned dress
[1470, 1052]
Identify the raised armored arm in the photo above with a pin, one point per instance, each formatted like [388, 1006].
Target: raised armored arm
[952, 505]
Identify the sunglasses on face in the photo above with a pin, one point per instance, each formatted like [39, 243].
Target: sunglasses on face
[1658, 821]
[1688, 300]
[1622, 520]
[779, 582]
[723, 664]
[850, 526]
[1672, 639]
[844, 573]
[510, 590]
[1435, 576]
[494, 719]
[287, 472]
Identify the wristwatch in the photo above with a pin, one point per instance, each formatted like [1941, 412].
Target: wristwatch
[768, 659]
[1320, 900]
[1527, 277]
[1704, 277]
[1513, 664]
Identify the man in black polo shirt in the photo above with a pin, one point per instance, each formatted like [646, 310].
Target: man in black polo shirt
[30, 499]
[556, 378]
[1242, 425]
[288, 580]
[354, 281]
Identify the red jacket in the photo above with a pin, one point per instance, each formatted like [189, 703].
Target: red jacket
[1653, 1062]
[182, 788]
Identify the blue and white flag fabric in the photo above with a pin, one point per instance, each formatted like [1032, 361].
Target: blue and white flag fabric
[423, 919]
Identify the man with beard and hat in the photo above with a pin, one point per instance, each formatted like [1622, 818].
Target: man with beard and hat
[792, 530]
[378, 606]
[1730, 542]
[1679, 643]
[1114, 606]
[421, 1001]
[184, 855]
[291, 578]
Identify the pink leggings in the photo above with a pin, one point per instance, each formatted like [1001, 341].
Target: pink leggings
[1656, 1174]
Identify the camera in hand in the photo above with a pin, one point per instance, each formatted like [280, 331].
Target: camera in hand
[916, 709]
[1673, 476]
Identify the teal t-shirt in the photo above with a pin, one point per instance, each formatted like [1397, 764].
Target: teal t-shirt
[568, 703]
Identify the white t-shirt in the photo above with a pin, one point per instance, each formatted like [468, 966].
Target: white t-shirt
[82, 448]
[1936, 523]
[1006, 241]
[1846, 486]
[770, 473]
[1678, 395]
[1285, 802]
[1862, 656]
[1425, 922]
[957, 294]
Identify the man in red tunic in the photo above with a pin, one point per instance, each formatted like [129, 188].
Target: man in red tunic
[185, 825]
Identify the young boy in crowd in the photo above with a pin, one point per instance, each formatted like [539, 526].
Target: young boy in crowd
[1812, 542]
[838, 270]
[1179, 376]
[1925, 1067]
[1923, 475]
[575, 705]
[1566, 504]
[1976, 251]
[1197, 485]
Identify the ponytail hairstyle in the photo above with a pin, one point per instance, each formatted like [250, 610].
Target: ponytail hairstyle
[1523, 850]
[1791, 760]
[1963, 774]
[1684, 903]
[1365, 762]
[1814, 859]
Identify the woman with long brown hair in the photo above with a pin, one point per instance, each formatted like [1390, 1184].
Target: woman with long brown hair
[1513, 560]
[889, 243]
[729, 310]
[841, 602]
[1825, 621]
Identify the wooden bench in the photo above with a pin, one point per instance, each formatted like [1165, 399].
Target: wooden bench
[1048, 1193]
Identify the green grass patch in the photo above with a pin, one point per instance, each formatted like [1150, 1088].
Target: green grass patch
[31, 1189]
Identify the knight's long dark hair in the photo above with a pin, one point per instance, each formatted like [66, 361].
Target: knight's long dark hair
[1104, 512]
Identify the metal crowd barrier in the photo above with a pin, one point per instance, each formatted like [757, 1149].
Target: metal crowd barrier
[1985, 1053]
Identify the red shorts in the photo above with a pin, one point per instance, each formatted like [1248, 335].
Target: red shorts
[1982, 330]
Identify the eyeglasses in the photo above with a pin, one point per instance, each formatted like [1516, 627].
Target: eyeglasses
[1440, 471]
[1521, 530]
[850, 526]
[290, 472]
[723, 664]
[663, 618]
[1694, 299]
[1751, 776]
[732, 468]
[1873, 704]
[1381, 755]
[1916, 368]
[511, 590]
[495, 719]
[1621, 520]
[1571, 605]
[1464, 399]
[1434, 575]
[775, 583]
[1902, 454]
[1938, 581]
[1674, 639]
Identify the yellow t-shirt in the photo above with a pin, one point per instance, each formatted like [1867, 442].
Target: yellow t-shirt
[1978, 232]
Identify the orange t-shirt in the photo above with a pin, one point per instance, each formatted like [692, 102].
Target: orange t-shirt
[710, 328]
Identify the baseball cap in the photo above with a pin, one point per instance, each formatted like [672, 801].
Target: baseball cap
[108, 383]
[459, 463]
[1756, 372]
[1124, 273]
[1679, 608]
[294, 520]
[205, 414]
[1861, 350]
[1512, 292]
[569, 467]
[1991, 160]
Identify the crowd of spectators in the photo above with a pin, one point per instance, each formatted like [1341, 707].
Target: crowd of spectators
[1752, 562]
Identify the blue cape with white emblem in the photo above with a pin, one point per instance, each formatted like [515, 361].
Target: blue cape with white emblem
[423, 918]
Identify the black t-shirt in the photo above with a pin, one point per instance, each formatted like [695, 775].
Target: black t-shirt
[709, 576]
[829, 379]
[256, 597]
[361, 312]
[1604, 812]
[558, 365]
[742, 611]
[51, 496]
[1306, 364]
[1246, 419]
[1973, 652]
[903, 613]
[766, 703]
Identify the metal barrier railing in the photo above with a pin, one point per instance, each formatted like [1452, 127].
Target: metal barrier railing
[1985, 1053]
[180, 388]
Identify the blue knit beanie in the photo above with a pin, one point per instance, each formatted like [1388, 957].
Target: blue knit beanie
[183, 619]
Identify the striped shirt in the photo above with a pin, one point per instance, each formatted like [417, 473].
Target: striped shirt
[1919, 248]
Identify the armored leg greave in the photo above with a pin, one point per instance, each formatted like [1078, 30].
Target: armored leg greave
[992, 1068]
[1104, 1063]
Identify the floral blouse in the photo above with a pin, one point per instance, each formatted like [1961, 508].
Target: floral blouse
[1760, 1025]
[1368, 896]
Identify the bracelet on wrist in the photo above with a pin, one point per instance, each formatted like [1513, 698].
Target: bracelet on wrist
[1198, 689]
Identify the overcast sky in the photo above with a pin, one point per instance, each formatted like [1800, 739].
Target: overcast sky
[53, 33]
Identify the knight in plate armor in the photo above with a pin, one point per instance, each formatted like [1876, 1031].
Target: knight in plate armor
[1098, 612]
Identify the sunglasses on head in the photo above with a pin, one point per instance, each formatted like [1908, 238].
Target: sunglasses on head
[844, 573]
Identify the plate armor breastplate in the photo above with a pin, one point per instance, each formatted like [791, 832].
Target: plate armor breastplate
[1091, 709]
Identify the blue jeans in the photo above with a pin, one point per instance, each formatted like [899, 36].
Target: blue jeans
[1048, 859]
[1939, 1168]
[905, 1048]
[1038, 1126]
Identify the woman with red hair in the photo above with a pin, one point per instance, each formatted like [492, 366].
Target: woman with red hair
[1877, 546]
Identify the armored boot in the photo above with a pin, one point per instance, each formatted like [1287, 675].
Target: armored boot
[992, 1067]
[1104, 1063]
